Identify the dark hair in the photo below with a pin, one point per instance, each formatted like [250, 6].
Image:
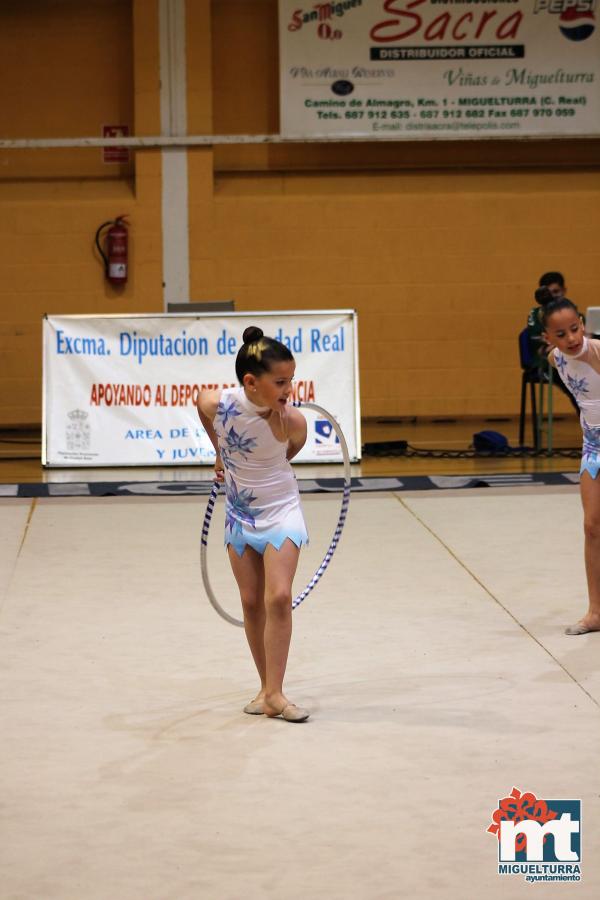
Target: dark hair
[258, 353]
[543, 296]
[555, 306]
[552, 278]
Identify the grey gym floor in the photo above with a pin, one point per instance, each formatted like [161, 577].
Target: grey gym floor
[431, 655]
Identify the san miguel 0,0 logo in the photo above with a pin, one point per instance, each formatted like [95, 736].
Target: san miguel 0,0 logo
[538, 839]
[323, 14]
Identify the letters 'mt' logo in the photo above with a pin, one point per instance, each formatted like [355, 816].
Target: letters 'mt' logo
[532, 830]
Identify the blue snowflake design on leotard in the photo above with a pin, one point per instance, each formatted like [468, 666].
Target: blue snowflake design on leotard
[591, 439]
[239, 443]
[227, 460]
[577, 386]
[561, 363]
[227, 410]
[238, 509]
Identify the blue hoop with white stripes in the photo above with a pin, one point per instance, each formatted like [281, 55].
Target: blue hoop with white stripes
[330, 550]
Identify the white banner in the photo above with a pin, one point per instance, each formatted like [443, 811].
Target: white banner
[122, 390]
[439, 68]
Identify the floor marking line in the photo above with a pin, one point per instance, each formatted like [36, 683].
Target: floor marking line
[494, 598]
[27, 524]
[23, 538]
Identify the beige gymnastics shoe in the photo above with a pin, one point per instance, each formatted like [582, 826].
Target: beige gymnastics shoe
[579, 628]
[292, 713]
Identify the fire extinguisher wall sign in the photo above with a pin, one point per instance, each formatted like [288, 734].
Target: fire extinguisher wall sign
[115, 252]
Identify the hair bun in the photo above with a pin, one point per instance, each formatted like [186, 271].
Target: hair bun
[252, 334]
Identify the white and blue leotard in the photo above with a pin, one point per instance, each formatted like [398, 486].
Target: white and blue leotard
[262, 498]
[581, 374]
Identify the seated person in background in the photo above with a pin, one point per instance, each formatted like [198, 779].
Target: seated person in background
[551, 287]
[555, 282]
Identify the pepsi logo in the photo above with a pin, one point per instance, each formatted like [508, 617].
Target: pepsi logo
[576, 26]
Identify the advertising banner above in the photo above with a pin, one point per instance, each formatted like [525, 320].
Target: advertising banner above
[122, 390]
[450, 69]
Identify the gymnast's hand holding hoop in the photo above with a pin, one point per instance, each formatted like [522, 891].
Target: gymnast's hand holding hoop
[219, 471]
[334, 541]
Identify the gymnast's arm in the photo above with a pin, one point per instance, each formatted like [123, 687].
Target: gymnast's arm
[208, 402]
[296, 432]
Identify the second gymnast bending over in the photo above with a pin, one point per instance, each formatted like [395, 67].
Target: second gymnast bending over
[577, 359]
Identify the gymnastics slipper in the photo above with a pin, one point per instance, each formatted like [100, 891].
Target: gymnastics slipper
[255, 708]
[293, 713]
[578, 628]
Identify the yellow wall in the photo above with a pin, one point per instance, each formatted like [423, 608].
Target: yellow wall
[77, 72]
[439, 266]
[66, 71]
[437, 245]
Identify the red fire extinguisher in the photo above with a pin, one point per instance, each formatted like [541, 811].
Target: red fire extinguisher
[115, 257]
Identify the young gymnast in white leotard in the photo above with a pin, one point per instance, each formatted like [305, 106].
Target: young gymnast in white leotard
[577, 360]
[255, 433]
